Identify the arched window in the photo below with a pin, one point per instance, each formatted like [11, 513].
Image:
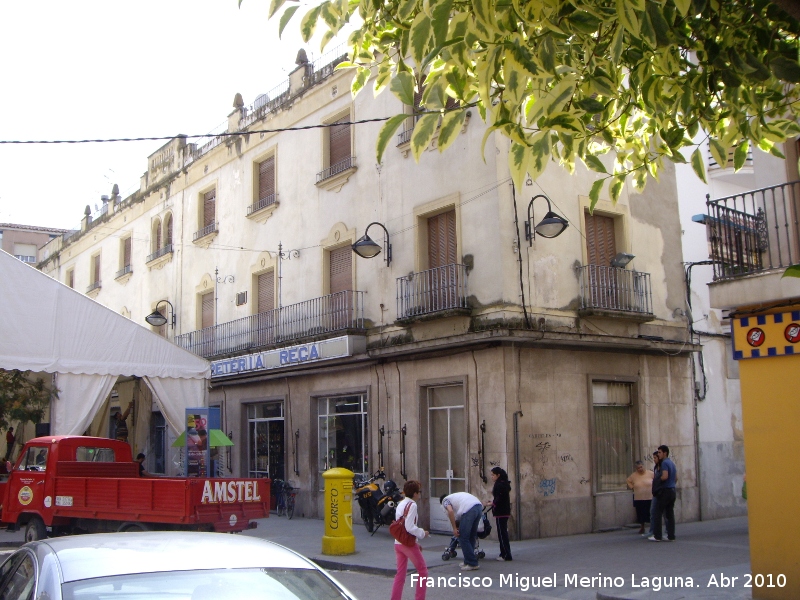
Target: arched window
[168, 230]
[156, 236]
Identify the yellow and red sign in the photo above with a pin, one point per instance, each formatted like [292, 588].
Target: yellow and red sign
[766, 335]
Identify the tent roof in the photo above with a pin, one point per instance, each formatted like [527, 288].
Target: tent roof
[47, 326]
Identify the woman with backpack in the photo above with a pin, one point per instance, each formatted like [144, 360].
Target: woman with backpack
[501, 509]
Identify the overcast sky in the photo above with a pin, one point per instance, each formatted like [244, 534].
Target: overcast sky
[81, 69]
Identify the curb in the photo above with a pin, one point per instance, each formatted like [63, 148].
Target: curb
[332, 565]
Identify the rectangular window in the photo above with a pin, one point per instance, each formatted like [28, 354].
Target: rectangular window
[266, 292]
[126, 252]
[343, 433]
[96, 269]
[613, 437]
[71, 278]
[442, 240]
[341, 269]
[90, 454]
[209, 208]
[25, 252]
[339, 143]
[266, 181]
[207, 310]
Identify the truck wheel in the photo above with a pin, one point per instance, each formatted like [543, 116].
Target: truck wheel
[35, 529]
[131, 527]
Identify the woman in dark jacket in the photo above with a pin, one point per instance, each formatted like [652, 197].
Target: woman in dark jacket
[501, 508]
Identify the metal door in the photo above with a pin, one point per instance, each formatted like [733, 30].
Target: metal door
[447, 448]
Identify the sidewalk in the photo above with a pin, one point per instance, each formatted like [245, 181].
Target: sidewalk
[707, 552]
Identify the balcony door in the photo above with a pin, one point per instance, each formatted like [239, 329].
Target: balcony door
[339, 310]
[601, 247]
[442, 276]
[447, 448]
[265, 305]
[207, 323]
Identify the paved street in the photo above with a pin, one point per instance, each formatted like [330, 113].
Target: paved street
[706, 552]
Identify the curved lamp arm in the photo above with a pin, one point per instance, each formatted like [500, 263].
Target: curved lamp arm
[365, 247]
[156, 319]
[551, 226]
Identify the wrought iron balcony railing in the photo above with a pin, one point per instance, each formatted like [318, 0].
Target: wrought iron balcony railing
[159, 253]
[755, 231]
[123, 271]
[94, 286]
[615, 289]
[431, 291]
[319, 316]
[207, 230]
[262, 203]
[339, 167]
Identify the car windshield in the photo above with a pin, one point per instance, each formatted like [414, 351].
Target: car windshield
[221, 584]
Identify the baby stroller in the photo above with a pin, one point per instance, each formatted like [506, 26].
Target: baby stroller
[484, 529]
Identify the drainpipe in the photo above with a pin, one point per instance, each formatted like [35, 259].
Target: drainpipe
[517, 475]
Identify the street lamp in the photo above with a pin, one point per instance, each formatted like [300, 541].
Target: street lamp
[551, 226]
[621, 260]
[156, 319]
[365, 247]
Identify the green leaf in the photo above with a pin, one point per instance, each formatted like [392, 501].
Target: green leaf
[627, 16]
[423, 134]
[386, 134]
[740, 155]
[616, 45]
[326, 37]
[793, 271]
[406, 8]
[594, 194]
[329, 15]
[594, 163]
[518, 163]
[590, 105]
[616, 188]
[359, 81]
[273, 7]
[484, 13]
[785, 69]
[402, 86]
[440, 20]
[285, 17]
[421, 32]
[683, 6]
[564, 121]
[719, 153]
[697, 165]
[452, 122]
[309, 23]
[547, 53]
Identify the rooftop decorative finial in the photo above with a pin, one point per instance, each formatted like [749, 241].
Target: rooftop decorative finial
[301, 59]
[87, 211]
[238, 102]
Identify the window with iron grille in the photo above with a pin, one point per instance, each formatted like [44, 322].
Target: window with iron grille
[338, 148]
[613, 435]
[209, 207]
[266, 182]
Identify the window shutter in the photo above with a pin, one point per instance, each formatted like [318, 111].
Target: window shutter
[341, 274]
[96, 269]
[601, 245]
[442, 240]
[126, 252]
[266, 178]
[339, 136]
[209, 207]
[207, 315]
[266, 292]
[158, 236]
[71, 279]
[168, 232]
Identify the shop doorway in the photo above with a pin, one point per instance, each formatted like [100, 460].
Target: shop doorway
[447, 448]
[266, 445]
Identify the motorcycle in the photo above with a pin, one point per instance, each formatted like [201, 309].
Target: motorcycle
[377, 507]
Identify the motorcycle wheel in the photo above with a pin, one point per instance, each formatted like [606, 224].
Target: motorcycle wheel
[369, 524]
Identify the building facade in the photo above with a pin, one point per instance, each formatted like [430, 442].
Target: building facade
[462, 345]
[25, 241]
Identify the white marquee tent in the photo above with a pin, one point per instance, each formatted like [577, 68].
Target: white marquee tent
[46, 326]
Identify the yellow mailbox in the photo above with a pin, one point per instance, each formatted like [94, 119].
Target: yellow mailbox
[338, 538]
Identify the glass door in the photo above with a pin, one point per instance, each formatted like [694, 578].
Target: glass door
[447, 448]
[266, 442]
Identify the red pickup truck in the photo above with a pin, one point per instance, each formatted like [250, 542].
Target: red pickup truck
[75, 484]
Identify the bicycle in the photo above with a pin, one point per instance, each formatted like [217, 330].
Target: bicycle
[285, 496]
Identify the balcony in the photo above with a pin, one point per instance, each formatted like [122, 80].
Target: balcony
[124, 274]
[94, 289]
[335, 176]
[615, 292]
[433, 292]
[159, 258]
[206, 235]
[313, 318]
[752, 239]
[262, 210]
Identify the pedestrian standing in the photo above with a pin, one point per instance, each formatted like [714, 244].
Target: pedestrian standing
[10, 439]
[641, 482]
[653, 493]
[408, 507]
[666, 477]
[501, 509]
[464, 511]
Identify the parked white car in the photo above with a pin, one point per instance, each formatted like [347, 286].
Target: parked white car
[163, 565]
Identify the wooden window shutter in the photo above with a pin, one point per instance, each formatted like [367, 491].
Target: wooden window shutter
[71, 279]
[126, 252]
[341, 273]
[601, 245]
[168, 232]
[209, 207]
[96, 269]
[442, 240]
[266, 178]
[158, 236]
[207, 314]
[339, 137]
[266, 292]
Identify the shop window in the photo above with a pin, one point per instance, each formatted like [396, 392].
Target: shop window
[613, 438]
[343, 435]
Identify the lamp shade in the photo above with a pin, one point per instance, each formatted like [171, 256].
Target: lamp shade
[156, 319]
[621, 259]
[551, 226]
[365, 247]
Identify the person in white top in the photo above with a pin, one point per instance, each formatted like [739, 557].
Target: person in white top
[464, 511]
[412, 490]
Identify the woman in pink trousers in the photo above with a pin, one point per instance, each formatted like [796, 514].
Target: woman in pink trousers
[412, 490]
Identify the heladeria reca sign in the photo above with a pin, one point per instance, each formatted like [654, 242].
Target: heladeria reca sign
[228, 491]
